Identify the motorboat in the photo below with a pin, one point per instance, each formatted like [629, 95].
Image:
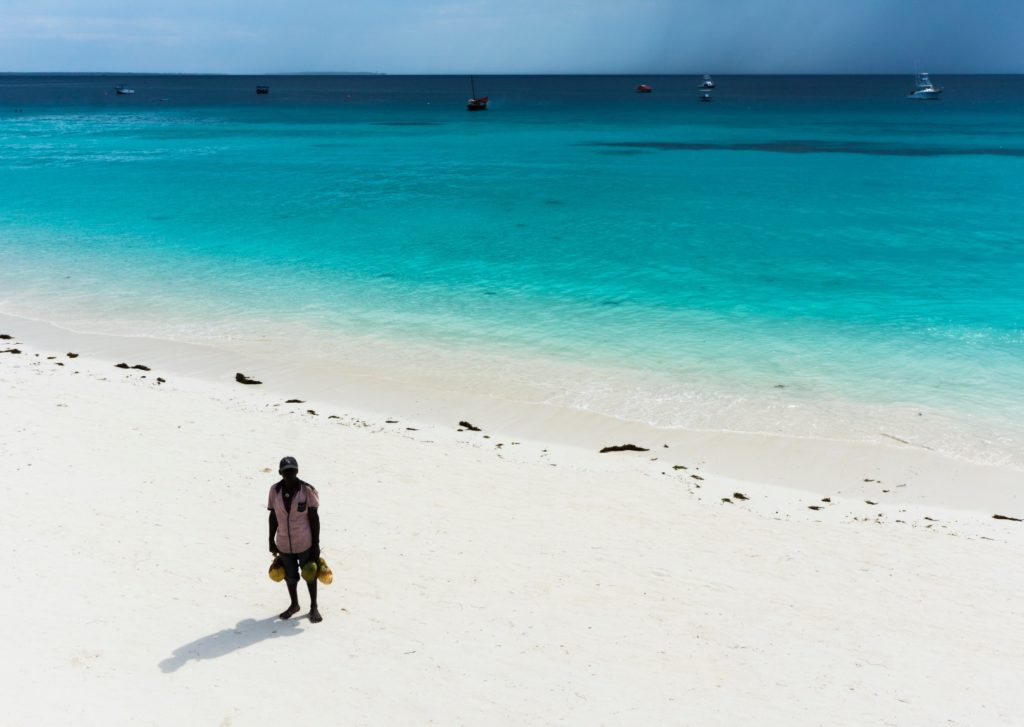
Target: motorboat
[707, 82]
[262, 90]
[705, 96]
[123, 90]
[924, 89]
[475, 103]
[643, 88]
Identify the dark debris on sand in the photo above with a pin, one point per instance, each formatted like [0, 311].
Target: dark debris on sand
[624, 448]
[243, 379]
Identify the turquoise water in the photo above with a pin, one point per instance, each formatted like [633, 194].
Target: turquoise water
[816, 243]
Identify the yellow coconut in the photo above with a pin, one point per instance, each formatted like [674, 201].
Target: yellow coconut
[276, 571]
[309, 572]
[323, 573]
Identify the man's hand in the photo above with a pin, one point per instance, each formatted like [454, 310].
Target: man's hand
[314, 553]
[273, 548]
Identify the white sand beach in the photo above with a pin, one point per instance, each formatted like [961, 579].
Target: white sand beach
[512, 575]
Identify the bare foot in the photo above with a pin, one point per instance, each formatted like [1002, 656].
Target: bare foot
[314, 615]
[289, 612]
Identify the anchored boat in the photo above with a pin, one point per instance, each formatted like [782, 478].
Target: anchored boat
[475, 103]
[924, 89]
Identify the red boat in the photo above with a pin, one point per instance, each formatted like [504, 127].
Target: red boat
[476, 103]
[643, 88]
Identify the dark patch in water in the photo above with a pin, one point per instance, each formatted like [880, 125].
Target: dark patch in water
[811, 146]
[553, 201]
[622, 152]
[611, 302]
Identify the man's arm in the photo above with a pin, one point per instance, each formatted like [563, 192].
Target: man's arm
[273, 531]
[314, 527]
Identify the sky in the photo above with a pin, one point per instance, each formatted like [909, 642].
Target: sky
[513, 36]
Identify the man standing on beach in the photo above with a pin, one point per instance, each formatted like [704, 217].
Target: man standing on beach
[295, 532]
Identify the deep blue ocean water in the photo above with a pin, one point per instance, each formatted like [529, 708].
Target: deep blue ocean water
[818, 245]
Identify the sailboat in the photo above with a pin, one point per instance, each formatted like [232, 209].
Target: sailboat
[475, 103]
[924, 89]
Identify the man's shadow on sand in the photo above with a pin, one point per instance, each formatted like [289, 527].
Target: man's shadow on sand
[246, 633]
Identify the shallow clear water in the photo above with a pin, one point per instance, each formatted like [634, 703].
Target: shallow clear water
[818, 244]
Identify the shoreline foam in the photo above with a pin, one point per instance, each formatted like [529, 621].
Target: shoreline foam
[780, 460]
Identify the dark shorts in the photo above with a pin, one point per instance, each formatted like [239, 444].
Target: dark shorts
[293, 563]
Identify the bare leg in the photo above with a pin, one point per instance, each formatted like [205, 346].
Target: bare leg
[293, 593]
[314, 613]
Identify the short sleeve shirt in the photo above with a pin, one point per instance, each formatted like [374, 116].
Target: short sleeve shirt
[294, 534]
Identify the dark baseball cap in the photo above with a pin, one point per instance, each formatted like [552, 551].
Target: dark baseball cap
[288, 463]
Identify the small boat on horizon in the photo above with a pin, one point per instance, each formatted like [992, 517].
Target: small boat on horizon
[475, 103]
[122, 90]
[705, 96]
[707, 82]
[924, 89]
[643, 88]
[262, 90]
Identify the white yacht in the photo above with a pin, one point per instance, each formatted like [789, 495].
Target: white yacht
[707, 82]
[123, 90]
[924, 89]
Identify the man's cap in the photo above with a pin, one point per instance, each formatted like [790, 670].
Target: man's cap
[288, 463]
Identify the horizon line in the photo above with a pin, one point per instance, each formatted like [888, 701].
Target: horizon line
[465, 73]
